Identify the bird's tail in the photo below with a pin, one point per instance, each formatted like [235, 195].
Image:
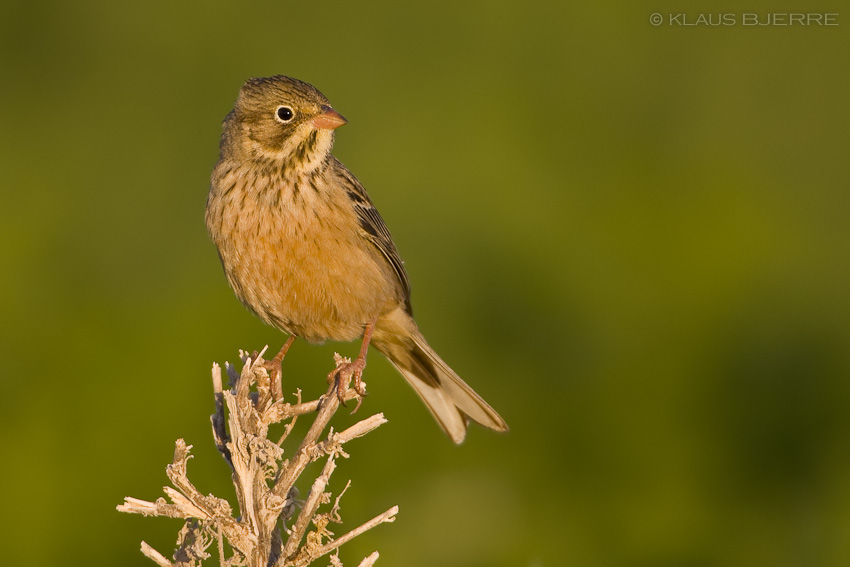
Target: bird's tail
[452, 402]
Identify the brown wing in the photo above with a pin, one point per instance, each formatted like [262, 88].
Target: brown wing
[374, 228]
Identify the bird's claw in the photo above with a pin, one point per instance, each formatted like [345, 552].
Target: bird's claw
[275, 369]
[344, 373]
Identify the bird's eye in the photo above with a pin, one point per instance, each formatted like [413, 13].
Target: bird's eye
[284, 114]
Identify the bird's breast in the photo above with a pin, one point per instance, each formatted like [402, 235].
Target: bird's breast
[294, 255]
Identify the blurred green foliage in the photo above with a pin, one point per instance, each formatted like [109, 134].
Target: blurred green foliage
[632, 240]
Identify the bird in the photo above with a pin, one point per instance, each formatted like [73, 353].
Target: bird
[304, 248]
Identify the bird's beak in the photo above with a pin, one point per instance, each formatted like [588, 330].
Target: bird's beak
[329, 119]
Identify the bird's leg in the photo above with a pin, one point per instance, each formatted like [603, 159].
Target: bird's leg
[275, 368]
[353, 370]
[360, 362]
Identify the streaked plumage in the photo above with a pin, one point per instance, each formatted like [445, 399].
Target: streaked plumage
[304, 248]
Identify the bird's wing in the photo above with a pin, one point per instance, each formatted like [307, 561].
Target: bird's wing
[374, 228]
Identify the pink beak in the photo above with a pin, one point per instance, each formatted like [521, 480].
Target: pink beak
[329, 119]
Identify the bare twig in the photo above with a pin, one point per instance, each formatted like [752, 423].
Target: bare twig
[155, 556]
[264, 481]
[369, 561]
[388, 516]
[308, 510]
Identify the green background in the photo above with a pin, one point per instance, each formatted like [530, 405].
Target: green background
[632, 240]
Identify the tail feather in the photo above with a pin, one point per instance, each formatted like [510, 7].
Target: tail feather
[452, 402]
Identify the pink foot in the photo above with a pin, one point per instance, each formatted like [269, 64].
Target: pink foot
[346, 372]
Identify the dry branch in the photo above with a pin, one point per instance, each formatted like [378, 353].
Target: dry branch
[263, 480]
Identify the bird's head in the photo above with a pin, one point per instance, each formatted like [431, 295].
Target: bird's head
[284, 121]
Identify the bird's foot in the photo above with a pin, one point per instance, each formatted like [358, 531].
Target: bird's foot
[275, 370]
[344, 373]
